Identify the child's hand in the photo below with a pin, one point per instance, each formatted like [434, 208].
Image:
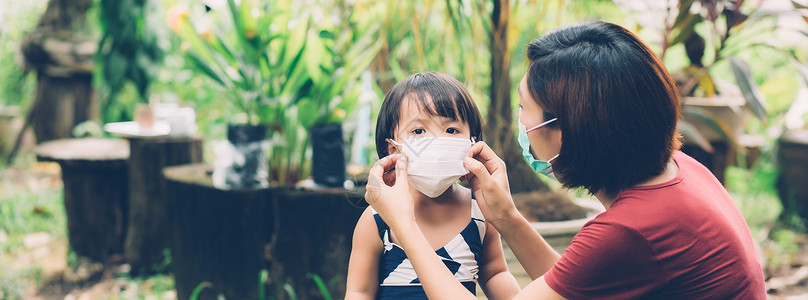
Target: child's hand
[390, 197]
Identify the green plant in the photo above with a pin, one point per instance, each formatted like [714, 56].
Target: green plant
[321, 286]
[18, 18]
[250, 50]
[129, 50]
[713, 33]
[263, 275]
[335, 58]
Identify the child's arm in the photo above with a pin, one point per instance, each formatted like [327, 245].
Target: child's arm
[363, 268]
[495, 279]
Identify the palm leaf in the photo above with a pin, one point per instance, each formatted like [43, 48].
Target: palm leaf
[754, 98]
[320, 286]
[694, 136]
[199, 288]
[715, 123]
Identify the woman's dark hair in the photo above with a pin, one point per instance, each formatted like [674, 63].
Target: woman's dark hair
[449, 99]
[616, 105]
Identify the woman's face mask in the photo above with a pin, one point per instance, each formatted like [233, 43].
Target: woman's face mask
[540, 166]
[434, 163]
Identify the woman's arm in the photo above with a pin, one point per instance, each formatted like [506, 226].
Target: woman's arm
[495, 279]
[363, 268]
[489, 181]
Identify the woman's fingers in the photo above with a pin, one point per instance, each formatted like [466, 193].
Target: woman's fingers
[392, 201]
[401, 172]
[383, 168]
[482, 152]
[477, 169]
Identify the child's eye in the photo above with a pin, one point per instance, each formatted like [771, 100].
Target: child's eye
[418, 131]
[452, 130]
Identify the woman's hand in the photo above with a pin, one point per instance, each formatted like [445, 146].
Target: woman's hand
[388, 192]
[489, 181]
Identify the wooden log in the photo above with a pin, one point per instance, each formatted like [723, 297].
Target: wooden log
[94, 172]
[220, 236]
[792, 161]
[313, 234]
[225, 237]
[148, 236]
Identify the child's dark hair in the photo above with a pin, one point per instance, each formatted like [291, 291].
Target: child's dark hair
[449, 99]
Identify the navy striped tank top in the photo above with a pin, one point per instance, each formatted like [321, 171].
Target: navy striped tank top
[397, 278]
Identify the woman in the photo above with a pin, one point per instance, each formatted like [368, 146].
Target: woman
[599, 111]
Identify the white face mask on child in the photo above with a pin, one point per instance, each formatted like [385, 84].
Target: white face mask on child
[434, 163]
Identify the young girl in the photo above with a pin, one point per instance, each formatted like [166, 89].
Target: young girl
[431, 119]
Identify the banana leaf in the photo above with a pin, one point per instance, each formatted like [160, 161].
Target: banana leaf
[694, 136]
[715, 123]
[685, 28]
[754, 98]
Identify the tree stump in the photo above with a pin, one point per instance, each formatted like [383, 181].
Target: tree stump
[63, 59]
[313, 235]
[219, 236]
[148, 234]
[94, 172]
[792, 160]
[225, 237]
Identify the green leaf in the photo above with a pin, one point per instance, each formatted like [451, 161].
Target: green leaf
[684, 11]
[315, 56]
[715, 123]
[262, 281]
[294, 43]
[200, 65]
[685, 28]
[306, 107]
[198, 289]
[221, 46]
[320, 285]
[236, 16]
[694, 136]
[802, 69]
[751, 92]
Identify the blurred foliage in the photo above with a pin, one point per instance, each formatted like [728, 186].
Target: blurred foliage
[283, 65]
[18, 18]
[706, 35]
[26, 207]
[452, 37]
[130, 51]
[446, 36]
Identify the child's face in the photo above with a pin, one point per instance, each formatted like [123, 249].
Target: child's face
[415, 122]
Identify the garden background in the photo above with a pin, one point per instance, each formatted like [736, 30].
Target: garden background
[291, 65]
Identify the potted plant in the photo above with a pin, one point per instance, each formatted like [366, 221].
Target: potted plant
[713, 112]
[251, 52]
[286, 71]
[792, 156]
[340, 57]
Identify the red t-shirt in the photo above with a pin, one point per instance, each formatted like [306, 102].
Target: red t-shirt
[683, 239]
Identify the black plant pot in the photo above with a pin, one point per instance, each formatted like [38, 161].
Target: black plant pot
[245, 133]
[328, 151]
[249, 170]
[792, 160]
